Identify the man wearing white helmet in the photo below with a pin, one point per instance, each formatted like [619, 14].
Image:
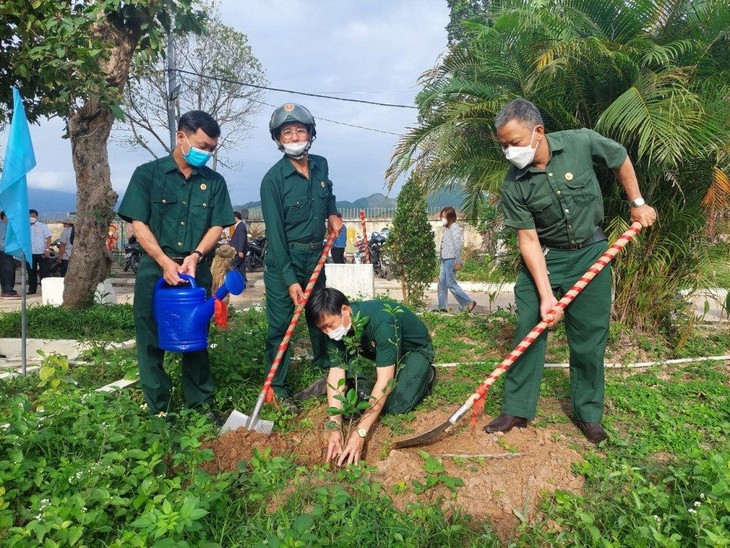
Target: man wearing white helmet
[298, 208]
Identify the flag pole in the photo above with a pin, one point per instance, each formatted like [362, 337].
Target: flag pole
[23, 319]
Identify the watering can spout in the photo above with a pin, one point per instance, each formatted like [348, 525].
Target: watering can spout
[233, 284]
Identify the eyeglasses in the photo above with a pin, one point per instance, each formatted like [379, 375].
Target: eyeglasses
[294, 132]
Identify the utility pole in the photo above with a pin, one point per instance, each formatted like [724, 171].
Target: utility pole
[172, 87]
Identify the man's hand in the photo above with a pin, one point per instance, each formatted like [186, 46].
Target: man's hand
[351, 454]
[334, 224]
[645, 214]
[457, 267]
[190, 265]
[334, 446]
[296, 293]
[170, 271]
[550, 316]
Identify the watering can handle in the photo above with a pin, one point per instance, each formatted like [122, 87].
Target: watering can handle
[189, 279]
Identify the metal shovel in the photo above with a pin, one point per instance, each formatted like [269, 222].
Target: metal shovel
[237, 419]
[481, 392]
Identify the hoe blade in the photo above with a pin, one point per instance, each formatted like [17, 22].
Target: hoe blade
[238, 420]
[425, 438]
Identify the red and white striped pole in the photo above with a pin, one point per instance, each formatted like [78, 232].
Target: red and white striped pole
[479, 396]
[267, 390]
[365, 236]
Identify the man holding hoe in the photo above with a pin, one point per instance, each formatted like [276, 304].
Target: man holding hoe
[552, 198]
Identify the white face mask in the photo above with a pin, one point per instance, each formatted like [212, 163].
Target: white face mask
[296, 150]
[340, 331]
[33, 220]
[521, 156]
[444, 222]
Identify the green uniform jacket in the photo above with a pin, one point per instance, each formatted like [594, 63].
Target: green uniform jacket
[178, 211]
[564, 202]
[295, 210]
[387, 336]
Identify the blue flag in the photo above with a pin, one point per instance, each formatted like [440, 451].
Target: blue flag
[19, 160]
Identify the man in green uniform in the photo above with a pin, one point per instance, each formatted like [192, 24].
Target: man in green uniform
[178, 208]
[297, 204]
[394, 338]
[551, 196]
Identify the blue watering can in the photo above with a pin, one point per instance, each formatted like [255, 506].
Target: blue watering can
[182, 312]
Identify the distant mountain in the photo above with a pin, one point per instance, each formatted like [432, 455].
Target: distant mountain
[51, 203]
[436, 200]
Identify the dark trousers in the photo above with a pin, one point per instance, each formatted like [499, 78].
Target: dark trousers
[38, 269]
[586, 324]
[197, 380]
[7, 272]
[239, 263]
[338, 255]
[279, 312]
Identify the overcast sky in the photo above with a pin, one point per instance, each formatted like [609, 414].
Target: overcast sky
[367, 49]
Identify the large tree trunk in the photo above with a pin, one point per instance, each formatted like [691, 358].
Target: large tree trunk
[89, 128]
[95, 199]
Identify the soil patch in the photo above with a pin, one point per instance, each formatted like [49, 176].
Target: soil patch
[504, 476]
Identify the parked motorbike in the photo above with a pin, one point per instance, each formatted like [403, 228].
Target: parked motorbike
[376, 243]
[132, 254]
[256, 253]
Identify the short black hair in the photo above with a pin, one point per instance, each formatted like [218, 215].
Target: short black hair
[327, 300]
[237, 215]
[194, 120]
[32, 211]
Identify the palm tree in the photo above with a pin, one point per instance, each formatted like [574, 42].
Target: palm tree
[651, 75]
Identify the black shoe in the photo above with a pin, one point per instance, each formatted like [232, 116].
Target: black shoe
[215, 419]
[287, 404]
[431, 381]
[505, 423]
[593, 431]
[316, 389]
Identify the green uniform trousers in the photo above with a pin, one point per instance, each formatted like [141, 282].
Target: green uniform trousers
[197, 380]
[586, 322]
[411, 381]
[279, 312]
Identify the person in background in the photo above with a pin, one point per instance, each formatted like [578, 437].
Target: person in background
[552, 198]
[395, 339]
[66, 245]
[178, 208]
[338, 246]
[298, 207]
[239, 242]
[452, 242]
[40, 242]
[7, 264]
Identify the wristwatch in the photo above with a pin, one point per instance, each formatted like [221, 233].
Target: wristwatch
[362, 432]
[637, 202]
[199, 253]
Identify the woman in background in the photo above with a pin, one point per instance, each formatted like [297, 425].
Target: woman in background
[451, 243]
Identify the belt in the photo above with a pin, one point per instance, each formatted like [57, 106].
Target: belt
[598, 236]
[180, 258]
[306, 245]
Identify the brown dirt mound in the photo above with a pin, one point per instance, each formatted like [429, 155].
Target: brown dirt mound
[504, 476]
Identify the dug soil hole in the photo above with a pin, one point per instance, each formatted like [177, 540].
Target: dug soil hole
[504, 476]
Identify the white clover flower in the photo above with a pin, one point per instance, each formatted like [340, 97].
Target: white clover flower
[657, 518]
[692, 511]
[214, 345]
[697, 504]
[84, 509]
[143, 406]
[702, 496]
[162, 414]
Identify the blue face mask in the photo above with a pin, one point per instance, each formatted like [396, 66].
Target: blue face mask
[196, 157]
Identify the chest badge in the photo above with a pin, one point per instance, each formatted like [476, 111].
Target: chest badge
[568, 176]
[203, 186]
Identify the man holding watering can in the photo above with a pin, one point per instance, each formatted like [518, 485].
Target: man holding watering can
[178, 209]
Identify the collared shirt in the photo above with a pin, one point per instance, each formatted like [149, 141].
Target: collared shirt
[295, 209]
[39, 234]
[65, 238]
[388, 334]
[563, 203]
[178, 211]
[341, 240]
[452, 241]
